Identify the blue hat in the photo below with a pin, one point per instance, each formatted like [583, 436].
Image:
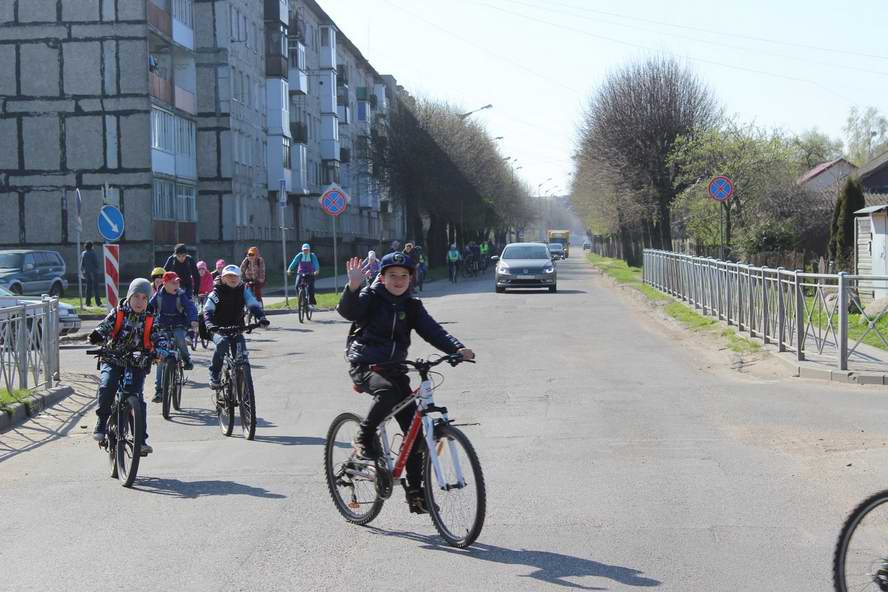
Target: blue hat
[396, 259]
[306, 246]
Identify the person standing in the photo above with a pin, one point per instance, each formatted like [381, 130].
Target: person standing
[253, 272]
[89, 270]
[217, 273]
[186, 269]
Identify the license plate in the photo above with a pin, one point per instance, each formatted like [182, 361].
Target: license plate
[526, 277]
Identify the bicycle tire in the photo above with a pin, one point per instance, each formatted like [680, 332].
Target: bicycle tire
[871, 561]
[465, 535]
[334, 475]
[225, 409]
[246, 398]
[128, 450]
[167, 386]
[111, 443]
[308, 311]
[300, 302]
[177, 388]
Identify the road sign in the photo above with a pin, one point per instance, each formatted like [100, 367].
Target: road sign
[110, 223]
[112, 273]
[721, 189]
[334, 201]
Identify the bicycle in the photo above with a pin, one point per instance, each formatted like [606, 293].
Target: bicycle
[451, 473]
[303, 306]
[860, 560]
[171, 380]
[236, 386]
[123, 441]
[204, 342]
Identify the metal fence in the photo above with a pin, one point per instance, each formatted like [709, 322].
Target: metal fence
[820, 317]
[29, 345]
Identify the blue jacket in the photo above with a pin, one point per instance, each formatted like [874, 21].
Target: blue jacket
[173, 310]
[383, 323]
[294, 264]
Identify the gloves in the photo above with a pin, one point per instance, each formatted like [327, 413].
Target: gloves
[96, 338]
[264, 323]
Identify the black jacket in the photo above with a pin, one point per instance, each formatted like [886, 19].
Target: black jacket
[383, 323]
[189, 277]
[225, 306]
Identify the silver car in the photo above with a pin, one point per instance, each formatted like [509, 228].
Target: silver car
[525, 265]
[69, 322]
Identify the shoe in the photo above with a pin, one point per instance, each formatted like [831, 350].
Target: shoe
[101, 432]
[187, 366]
[158, 397]
[146, 448]
[416, 501]
[214, 382]
[364, 449]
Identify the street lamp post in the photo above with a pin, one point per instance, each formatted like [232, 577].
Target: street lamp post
[464, 115]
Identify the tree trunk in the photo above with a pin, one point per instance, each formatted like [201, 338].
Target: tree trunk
[438, 243]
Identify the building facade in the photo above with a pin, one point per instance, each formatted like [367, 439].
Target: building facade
[195, 118]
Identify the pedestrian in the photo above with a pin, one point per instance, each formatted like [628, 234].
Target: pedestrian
[206, 281]
[253, 272]
[453, 259]
[186, 269]
[89, 271]
[370, 267]
[217, 273]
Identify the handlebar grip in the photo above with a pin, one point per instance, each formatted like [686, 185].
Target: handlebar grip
[94, 352]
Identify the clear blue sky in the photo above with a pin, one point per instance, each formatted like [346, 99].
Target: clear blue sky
[792, 64]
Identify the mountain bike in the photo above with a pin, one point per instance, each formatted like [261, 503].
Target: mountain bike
[236, 385]
[171, 380]
[204, 342]
[860, 560]
[455, 494]
[303, 304]
[123, 442]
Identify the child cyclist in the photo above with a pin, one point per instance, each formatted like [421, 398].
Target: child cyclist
[225, 308]
[128, 328]
[206, 281]
[177, 315]
[384, 314]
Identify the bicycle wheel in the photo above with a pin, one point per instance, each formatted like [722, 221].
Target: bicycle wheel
[457, 508]
[111, 442]
[352, 484]
[860, 561]
[129, 440]
[168, 385]
[225, 408]
[300, 305]
[247, 400]
[308, 311]
[179, 377]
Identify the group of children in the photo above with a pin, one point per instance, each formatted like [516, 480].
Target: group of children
[383, 314]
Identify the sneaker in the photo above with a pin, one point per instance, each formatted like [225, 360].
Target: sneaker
[101, 432]
[146, 448]
[214, 382]
[363, 449]
[158, 397]
[188, 365]
[416, 501]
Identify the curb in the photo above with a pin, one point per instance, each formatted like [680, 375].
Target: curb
[32, 406]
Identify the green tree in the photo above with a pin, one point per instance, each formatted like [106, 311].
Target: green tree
[841, 239]
[866, 134]
[813, 147]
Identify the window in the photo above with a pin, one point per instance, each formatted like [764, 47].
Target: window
[185, 140]
[182, 12]
[362, 110]
[186, 205]
[286, 159]
[163, 131]
[164, 200]
[325, 37]
[255, 39]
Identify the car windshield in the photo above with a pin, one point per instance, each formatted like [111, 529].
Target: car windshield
[556, 247]
[526, 252]
[11, 260]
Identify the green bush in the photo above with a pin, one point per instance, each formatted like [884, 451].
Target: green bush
[768, 237]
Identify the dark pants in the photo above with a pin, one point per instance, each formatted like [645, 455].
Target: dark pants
[388, 391]
[223, 342]
[92, 288]
[178, 335]
[309, 281]
[110, 378]
[452, 269]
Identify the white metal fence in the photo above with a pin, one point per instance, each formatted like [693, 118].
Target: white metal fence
[806, 313]
[29, 345]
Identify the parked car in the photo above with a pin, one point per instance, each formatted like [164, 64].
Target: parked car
[69, 322]
[587, 246]
[557, 251]
[525, 265]
[33, 272]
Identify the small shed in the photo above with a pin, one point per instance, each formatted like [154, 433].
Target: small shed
[871, 248]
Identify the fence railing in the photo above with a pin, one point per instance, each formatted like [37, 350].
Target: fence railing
[29, 345]
[805, 313]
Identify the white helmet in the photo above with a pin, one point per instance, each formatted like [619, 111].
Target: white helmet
[231, 270]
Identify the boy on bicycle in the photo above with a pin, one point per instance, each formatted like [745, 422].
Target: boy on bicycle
[225, 308]
[128, 328]
[383, 315]
[306, 266]
[177, 315]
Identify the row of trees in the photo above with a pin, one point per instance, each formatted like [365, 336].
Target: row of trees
[654, 135]
[444, 168]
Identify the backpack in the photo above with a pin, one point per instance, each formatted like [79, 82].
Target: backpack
[146, 333]
[411, 309]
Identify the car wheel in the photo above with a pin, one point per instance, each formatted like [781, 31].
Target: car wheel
[57, 290]
[16, 289]
[553, 289]
[500, 290]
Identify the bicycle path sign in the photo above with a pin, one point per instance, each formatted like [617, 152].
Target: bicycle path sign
[721, 189]
[334, 201]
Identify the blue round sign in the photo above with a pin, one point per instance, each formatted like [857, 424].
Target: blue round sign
[110, 223]
[721, 188]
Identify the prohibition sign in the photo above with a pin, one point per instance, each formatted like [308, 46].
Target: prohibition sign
[721, 189]
[334, 201]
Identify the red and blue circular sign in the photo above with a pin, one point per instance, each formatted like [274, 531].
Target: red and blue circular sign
[721, 189]
[334, 201]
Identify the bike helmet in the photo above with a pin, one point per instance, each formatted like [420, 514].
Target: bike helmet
[231, 270]
[157, 272]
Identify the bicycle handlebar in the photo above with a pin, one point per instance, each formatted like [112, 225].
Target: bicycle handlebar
[233, 329]
[420, 364]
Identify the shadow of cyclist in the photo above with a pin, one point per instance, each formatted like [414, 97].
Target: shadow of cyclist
[196, 489]
[550, 567]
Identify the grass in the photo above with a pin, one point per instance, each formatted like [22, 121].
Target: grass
[8, 399]
[75, 302]
[857, 324]
[691, 320]
[325, 300]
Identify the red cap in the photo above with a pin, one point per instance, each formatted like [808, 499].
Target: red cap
[170, 276]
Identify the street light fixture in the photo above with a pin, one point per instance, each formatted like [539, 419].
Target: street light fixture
[464, 115]
[496, 139]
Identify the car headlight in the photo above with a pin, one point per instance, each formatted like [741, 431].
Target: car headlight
[549, 269]
[503, 270]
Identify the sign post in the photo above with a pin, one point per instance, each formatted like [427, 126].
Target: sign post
[721, 189]
[334, 201]
[282, 205]
[78, 228]
[111, 227]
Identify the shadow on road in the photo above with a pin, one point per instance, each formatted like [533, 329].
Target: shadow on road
[199, 417]
[196, 489]
[550, 567]
[292, 440]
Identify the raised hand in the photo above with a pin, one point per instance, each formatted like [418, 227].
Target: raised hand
[355, 275]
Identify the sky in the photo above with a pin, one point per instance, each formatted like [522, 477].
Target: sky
[790, 64]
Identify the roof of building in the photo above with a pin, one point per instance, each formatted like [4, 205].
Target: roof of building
[872, 209]
[820, 168]
[341, 37]
[873, 165]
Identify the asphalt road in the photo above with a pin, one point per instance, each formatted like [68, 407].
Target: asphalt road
[615, 459]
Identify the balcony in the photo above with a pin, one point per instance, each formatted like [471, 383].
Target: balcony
[276, 66]
[299, 132]
[297, 28]
[277, 10]
[159, 16]
[330, 149]
[186, 101]
[298, 82]
[327, 54]
[160, 88]
[362, 93]
[344, 113]
[299, 160]
[345, 155]
[341, 76]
